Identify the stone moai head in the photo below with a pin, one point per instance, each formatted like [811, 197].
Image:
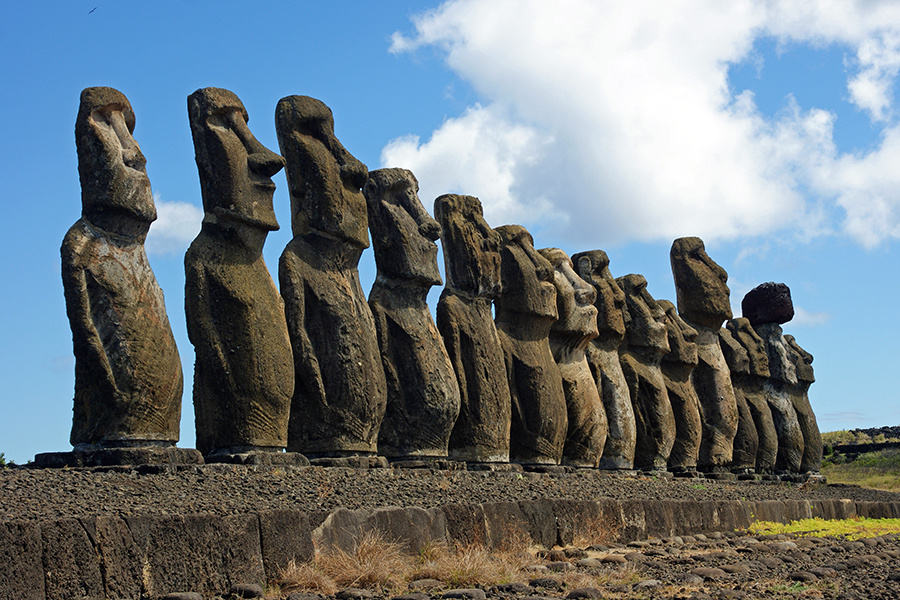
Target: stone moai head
[682, 337]
[235, 168]
[700, 284]
[527, 277]
[575, 298]
[768, 303]
[644, 317]
[403, 233]
[471, 247]
[593, 267]
[325, 181]
[745, 335]
[735, 354]
[115, 189]
[804, 360]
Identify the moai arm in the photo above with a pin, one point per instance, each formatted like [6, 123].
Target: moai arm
[308, 373]
[79, 307]
[202, 332]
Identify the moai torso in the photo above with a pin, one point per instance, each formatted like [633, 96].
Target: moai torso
[746, 441]
[751, 384]
[243, 375]
[766, 307]
[472, 264]
[526, 310]
[647, 342]
[128, 378]
[702, 293]
[341, 393]
[422, 392]
[812, 438]
[676, 367]
[603, 359]
[570, 335]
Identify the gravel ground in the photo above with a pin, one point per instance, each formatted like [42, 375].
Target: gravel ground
[34, 494]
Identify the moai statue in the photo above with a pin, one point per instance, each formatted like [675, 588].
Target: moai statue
[812, 438]
[341, 394]
[676, 368]
[243, 374]
[767, 306]
[525, 312]
[128, 378]
[472, 266]
[647, 342]
[702, 293]
[751, 383]
[570, 336]
[422, 392]
[746, 440]
[603, 359]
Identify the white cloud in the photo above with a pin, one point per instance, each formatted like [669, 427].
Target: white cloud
[805, 318]
[176, 226]
[616, 119]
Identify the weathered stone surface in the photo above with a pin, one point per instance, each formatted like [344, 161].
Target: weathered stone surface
[525, 312]
[285, 535]
[702, 291]
[647, 342]
[413, 527]
[768, 302]
[472, 264]
[782, 377]
[70, 565]
[603, 359]
[243, 375]
[812, 438]
[341, 394]
[676, 367]
[422, 392]
[746, 440]
[197, 553]
[128, 378]
[752, 387]
[22, 575]
[569, 337]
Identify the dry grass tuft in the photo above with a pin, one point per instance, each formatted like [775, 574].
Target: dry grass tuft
[472, 564]
[595, 530]
[305, 576]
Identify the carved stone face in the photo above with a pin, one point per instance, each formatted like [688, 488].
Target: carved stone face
[471, 247]
[325, 181]
[644, 319]
[700, 284]
[575, 298]
[526, 275]
[803, 360]
[747, 337]
[735, 354]
[111, 166]
[682, 337]
[593, 267]
[235, 169]
[403, 233]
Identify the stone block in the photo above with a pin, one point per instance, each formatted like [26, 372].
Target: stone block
[71, 565]
[504, 522]
[465, 524]
[412, 527]
[20, 554]
[197, 553]
[118, 556]
[540, 521]
[285, 535]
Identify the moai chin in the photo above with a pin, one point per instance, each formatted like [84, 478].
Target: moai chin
[472, 264]
[341, 394]
[746, 440]
[243, 374]
[812, 438]
[647, 342]
[751, 383]
[677, 366]
[570, 336]
[702, 292]
[422, 393]
[128, 378]
[603, 359]
[525, 312]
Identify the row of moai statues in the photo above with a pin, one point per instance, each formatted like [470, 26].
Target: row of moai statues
[535, 357]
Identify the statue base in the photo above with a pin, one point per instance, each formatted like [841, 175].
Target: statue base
[113, 457]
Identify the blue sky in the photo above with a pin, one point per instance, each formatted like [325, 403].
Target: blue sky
[768, 129]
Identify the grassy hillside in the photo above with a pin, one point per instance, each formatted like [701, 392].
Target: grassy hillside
[878, 470]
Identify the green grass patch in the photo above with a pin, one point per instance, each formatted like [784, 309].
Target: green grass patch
[875, 470]
[851, 529]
